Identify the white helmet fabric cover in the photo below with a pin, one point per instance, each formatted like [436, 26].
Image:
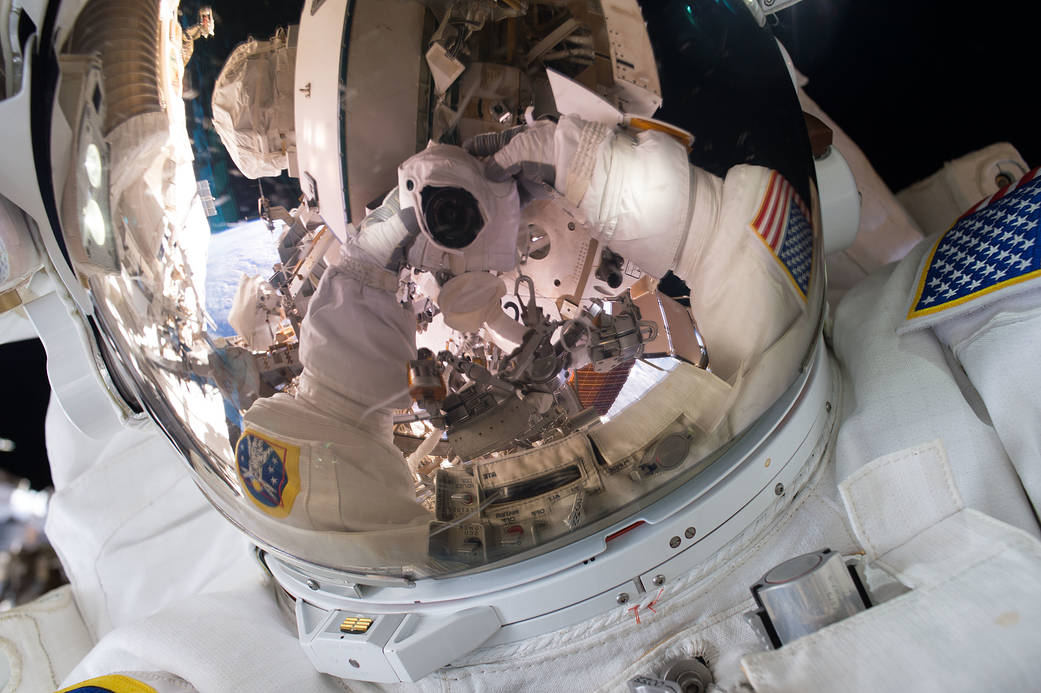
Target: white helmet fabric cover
[441, 165]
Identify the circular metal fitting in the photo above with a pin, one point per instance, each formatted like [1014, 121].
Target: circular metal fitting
[827, 407]
[669, 453]
[659, 580]
[312, 584]
[690, 532]
[779, 489]
[622, 598]
[674, 542]
[691, 675]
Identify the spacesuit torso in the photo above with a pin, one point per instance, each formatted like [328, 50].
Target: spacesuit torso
[904, 388]
[556, 543]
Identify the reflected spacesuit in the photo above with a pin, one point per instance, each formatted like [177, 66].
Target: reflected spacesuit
[691, 222]
[833, 500]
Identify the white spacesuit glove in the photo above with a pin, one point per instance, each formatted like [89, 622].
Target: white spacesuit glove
[527, 153]
[381, 235]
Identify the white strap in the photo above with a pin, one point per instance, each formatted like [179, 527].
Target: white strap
[622, 154]
[368, 274]
[580, 170]
[969, 623]
[895, 497]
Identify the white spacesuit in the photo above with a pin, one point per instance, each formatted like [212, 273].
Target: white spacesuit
[924, 513]
[901, 437]
[346, 474]
[901, 508]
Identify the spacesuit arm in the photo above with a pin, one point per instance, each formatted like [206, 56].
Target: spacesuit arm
[634, 189]
[643, 199]
[999, 350]
[358, 337]
[355, 344]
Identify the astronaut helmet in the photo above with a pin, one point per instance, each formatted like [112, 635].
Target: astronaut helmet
[417, 489]
[460, 211]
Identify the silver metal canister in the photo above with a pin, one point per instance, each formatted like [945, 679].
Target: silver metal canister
[806, 593]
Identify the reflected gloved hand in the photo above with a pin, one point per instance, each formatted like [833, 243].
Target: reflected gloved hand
[382, 235]
[528, 154]
[488, 143]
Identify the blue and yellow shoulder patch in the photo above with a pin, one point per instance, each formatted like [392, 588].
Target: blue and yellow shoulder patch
[114, 683]
[993, 248]
[269, 472]
[783, 224]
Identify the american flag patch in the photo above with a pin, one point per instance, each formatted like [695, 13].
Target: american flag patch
[992, 246]
[782, 223]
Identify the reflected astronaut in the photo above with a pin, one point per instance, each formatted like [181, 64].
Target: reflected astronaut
[456, 221]
[467, 437]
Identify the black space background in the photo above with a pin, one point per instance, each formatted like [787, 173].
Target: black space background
[914, 82]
